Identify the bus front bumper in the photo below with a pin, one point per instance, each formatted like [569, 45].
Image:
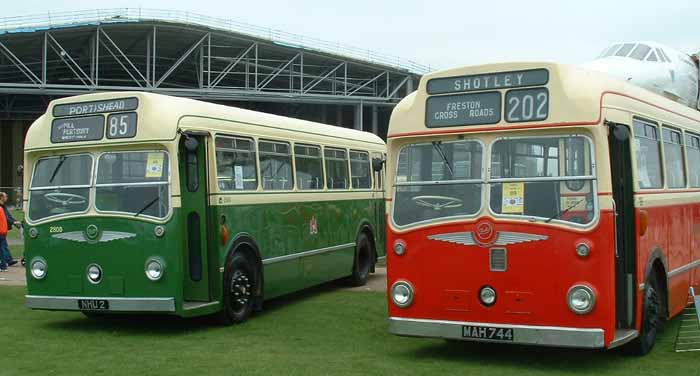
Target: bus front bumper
[100, 304]
[521, 334]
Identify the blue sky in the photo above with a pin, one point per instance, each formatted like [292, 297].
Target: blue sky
[444, 34]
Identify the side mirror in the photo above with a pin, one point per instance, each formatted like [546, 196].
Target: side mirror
[620, 132]
[377, 164]
[191, 144]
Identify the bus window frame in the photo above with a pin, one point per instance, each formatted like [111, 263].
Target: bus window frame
[592, 178]
[688, 136]
[258, 184]
[90, 187]
[142, 215]
[323, 167]
[394, 184]
[369, 169]
[292, 164]
[684, 158]
[634, 149]
[347, 166]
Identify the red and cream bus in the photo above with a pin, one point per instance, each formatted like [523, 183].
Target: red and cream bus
[541, 204]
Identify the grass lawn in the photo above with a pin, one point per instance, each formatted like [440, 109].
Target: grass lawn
[321, 331]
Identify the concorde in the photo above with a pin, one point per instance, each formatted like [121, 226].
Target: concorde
[653, 66]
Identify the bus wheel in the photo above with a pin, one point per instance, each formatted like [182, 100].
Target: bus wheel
[651, 317]
[239, 288]
[363, 261]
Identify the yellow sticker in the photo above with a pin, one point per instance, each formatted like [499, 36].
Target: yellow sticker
[154, 165]
[513, 198]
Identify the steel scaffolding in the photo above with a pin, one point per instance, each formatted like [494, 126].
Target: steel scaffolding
[185, 54]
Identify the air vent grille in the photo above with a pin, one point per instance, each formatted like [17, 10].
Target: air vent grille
[499, 260]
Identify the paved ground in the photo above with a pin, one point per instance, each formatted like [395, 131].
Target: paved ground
[376, 282]
[15, 276]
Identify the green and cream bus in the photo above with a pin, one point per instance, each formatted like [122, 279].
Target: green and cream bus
[137, 202]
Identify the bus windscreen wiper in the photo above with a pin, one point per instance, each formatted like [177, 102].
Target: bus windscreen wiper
[61, 159]
[436, 145]
[148, 206]
[575, 204]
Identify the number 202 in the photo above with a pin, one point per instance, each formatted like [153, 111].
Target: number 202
[118, 126]
[522, 108]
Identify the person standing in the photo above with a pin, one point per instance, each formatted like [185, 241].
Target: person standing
[6, 223]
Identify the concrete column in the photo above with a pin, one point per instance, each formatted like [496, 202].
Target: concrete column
[17, 131]
[324, 114]
[409, 86]
[375, 120]
[339, 115]
[358, 117]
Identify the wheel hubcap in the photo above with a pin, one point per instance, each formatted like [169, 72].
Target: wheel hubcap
[240, 290]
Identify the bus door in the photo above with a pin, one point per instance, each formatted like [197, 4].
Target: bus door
[625, 244]
[193, 189]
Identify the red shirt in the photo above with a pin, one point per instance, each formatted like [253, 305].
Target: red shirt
[3, 223]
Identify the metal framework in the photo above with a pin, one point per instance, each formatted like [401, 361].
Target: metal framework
[201, 60]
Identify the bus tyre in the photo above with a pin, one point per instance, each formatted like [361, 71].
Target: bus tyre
[239, 288]
[652, 317]
[364, 261]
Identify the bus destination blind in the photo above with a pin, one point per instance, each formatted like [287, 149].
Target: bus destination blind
[488, 81]
[89, 128]
[463, 109]
[96, 107]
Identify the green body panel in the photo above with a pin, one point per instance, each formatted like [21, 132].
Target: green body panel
[122, 260]
[194, 205]
[285, 229]
[277, 230]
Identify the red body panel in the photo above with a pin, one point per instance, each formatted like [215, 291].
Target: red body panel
[533, 291]
[675, 232]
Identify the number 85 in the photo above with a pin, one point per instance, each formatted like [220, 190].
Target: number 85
[118, 125]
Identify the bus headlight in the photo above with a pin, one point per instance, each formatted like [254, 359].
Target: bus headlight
[487, 295]
[38, 268]
[94, 273]
[399, 247]
[154, 269]
[402, 294]
[581, 299]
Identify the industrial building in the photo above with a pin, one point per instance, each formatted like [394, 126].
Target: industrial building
[177, 53]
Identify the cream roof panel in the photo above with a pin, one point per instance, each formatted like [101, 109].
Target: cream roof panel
[576, 97]
[160, 116]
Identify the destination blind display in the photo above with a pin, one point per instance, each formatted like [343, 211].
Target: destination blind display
[97, 107]
[488, 81]
[488, 107]
[89, 128]
[463, 109]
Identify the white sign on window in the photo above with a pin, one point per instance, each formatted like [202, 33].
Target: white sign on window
[238, 176]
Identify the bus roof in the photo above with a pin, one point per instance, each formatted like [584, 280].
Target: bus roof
[576, 98]
[160, 116]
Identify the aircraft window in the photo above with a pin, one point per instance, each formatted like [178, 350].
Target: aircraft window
[625, 50]
[640, 52]
[663, 53]
[610, 50]
[652, 56]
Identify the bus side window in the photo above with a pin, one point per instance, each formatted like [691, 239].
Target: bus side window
[360, 170]
[673, 158]
[275, 166]
[235, 164]
[692, 147]
[336, 168]
[309, 166]
[648, 153]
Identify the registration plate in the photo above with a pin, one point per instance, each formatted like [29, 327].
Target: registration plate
[93, 304]
[487, 332]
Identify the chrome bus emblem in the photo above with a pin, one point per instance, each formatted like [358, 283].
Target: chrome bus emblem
[80, 237]
[501, 238]
[91, 232]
